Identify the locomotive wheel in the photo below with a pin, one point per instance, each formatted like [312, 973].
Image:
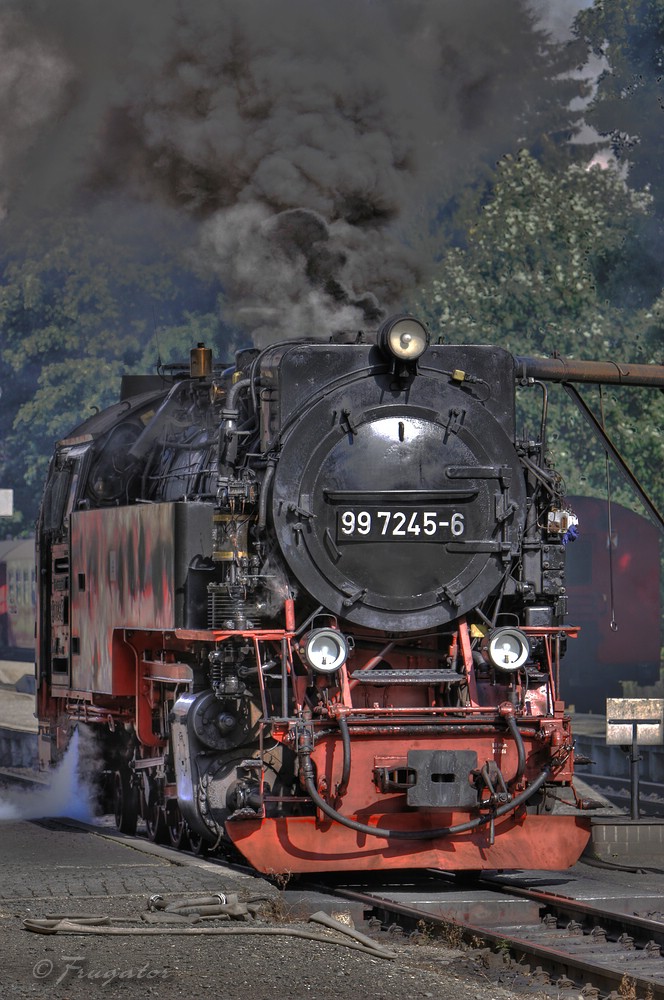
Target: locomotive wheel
[198, 845]
[178, 831]
[125, 803]
[155, 821]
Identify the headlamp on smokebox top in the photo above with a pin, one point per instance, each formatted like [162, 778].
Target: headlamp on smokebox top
[325, 650]
[507, 649]
[404, 338]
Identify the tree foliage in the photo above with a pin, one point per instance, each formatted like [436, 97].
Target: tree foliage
[628, 105]
[542, 272]
[627, 109]
[77, 311]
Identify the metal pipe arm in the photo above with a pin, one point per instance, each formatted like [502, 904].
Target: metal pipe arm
[598, 372]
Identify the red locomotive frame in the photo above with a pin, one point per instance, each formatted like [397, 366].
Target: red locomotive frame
[130, 678]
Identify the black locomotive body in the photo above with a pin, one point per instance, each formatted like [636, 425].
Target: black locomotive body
[314, 606]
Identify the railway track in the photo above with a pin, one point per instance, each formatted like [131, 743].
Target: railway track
[618, 790]
[566, 942]
[560, 940]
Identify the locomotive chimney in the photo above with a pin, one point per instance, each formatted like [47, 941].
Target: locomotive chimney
[200, 361]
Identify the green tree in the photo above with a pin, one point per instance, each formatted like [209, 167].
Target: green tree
[628, 104]
[540, 273]
[627, 109]
[77, 311]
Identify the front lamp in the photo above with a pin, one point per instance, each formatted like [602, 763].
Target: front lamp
[507, 649]
[325, 650]
[404, 337]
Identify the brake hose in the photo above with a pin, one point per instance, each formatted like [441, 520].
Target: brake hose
[342, 788]
[445, 831]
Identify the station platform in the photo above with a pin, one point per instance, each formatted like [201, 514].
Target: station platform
[618, 839]
[622, 841]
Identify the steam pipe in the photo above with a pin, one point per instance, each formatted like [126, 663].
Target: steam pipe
[545, 415]
[227, 449]
[146, 439]
[265, 489]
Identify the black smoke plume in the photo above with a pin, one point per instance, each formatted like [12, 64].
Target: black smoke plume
[302, 137]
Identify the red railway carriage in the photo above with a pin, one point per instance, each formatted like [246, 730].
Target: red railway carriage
[614, 596]
[313, 605]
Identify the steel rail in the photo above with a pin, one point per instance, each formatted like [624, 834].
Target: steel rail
[608, 968]
[640, 928]
[618, 790]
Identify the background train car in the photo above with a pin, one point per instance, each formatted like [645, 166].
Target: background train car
[602, 657]
[17, 598]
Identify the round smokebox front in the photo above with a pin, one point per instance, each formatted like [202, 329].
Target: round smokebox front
[386, 514]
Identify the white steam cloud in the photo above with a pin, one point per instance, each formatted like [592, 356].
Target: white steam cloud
[66, 795]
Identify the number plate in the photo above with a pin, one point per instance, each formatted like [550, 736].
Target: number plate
[375, 524]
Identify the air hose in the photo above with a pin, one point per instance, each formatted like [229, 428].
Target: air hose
[345, 742]
[307, 770]
[350, 938]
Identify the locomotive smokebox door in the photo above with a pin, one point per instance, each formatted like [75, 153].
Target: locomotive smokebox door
[442, 779]
[399, 503]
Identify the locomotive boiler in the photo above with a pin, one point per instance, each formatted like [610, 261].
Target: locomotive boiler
[313, 606]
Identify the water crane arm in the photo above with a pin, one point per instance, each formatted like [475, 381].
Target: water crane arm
[598, 372]
[566, 371]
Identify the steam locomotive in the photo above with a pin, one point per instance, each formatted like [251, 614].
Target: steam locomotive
[313, 607]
